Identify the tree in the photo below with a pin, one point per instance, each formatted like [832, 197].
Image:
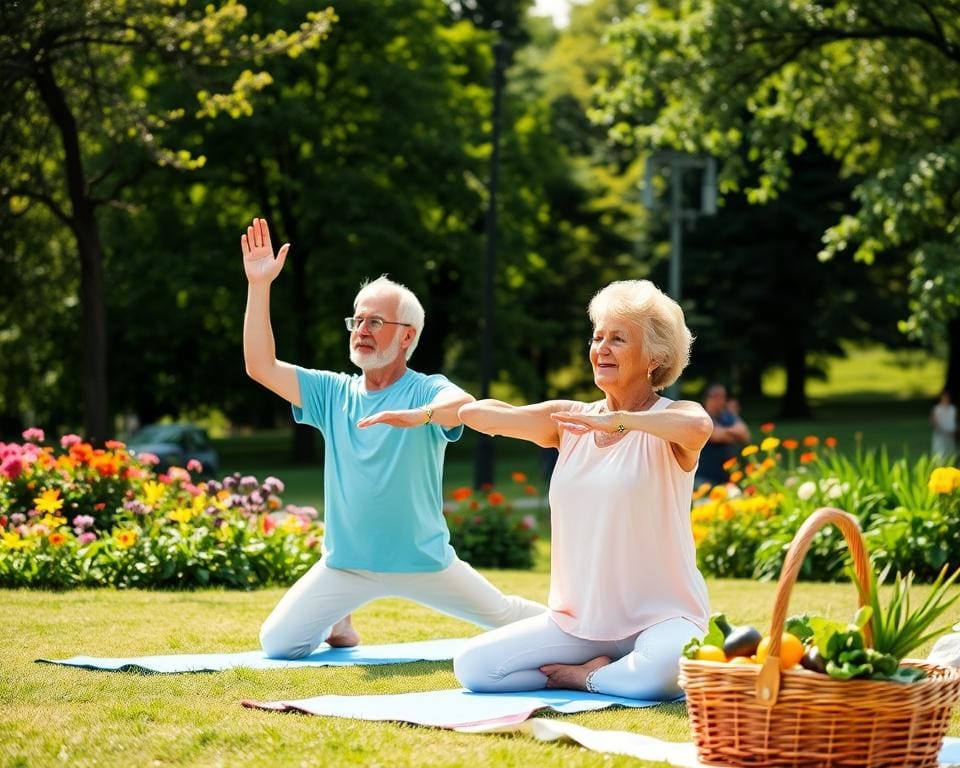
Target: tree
[872, 82]
[82, 81]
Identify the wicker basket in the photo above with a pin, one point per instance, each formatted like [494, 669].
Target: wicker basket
[746, 715]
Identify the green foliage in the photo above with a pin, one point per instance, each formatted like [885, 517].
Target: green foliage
[755, 82]
[488, 531]
[95, 518]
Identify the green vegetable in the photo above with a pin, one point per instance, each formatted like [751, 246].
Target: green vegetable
[715, 636]
[799, 626]
[897, 629]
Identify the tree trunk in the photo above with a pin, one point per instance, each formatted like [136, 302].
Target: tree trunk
[84, 225]
[952, 383]
[794, 404]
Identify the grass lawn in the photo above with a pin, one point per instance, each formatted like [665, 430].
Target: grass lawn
[58, 716]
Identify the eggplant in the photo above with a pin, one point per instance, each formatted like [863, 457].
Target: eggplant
[742, 641]
[813, 660]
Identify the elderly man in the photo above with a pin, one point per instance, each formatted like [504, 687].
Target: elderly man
[729, 433]
[384, 528]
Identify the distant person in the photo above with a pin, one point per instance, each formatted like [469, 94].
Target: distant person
[384, 531]
[729, 434]
[625, 591]
[943, 419]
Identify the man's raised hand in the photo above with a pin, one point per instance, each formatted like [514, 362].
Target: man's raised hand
[258, 260]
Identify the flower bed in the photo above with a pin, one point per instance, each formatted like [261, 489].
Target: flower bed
[78, 516]
[909, 511]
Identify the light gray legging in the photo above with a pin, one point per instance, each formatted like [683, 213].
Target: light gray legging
[645, 665]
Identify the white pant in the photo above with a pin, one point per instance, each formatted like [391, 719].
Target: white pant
[645, 665]
[307, 612]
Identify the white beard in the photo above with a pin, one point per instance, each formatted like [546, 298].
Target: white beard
[372, 361]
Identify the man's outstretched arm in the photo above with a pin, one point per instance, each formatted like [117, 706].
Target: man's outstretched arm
[259, 347]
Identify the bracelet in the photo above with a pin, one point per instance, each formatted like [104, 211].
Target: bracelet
[620, 428]
[589, 684]
[428, 412]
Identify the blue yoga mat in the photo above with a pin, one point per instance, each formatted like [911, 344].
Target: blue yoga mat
[324, 656]
[450, 708]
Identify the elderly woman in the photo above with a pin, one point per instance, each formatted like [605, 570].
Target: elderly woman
[625, 591]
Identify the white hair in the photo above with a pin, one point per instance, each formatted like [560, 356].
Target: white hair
[666, 337]
[409, 309]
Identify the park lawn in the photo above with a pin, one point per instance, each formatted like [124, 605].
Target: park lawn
[59, 716]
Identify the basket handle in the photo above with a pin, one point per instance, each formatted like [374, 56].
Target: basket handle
[768, 681]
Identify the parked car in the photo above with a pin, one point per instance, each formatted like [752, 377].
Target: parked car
[175, 445]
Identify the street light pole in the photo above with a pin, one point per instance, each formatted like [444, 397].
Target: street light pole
[484, 459]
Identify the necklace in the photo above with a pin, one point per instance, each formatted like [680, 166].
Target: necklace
[603, 439]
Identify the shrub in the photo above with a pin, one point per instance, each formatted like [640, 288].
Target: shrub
[488, 531]
[81, 516]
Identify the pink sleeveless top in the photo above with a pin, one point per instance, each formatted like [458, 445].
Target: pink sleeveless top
[622, 551]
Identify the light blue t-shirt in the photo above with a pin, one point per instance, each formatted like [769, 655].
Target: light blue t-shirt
[383, 500]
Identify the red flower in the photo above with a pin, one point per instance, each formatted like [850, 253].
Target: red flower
[768, 427]
[460, 494]
[530, 490]
[830, 442]
[790, 444]
[519, 477]
[474, 505]
[486, 487]
[496, 498]
[811, 440]
[806, 458]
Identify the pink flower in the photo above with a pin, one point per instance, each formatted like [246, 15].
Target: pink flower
[529, 522]
[11, 467]
[86, 538]
[70, 440]
[150, 459]
[33, 434]
[194, 465]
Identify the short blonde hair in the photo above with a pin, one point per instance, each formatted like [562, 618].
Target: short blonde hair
[666, 338]
[409, 309]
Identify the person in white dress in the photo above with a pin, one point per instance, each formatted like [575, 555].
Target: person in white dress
[943, 418]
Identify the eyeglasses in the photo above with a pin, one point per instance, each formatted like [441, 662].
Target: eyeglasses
[374, 324]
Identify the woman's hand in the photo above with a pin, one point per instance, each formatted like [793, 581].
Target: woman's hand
[579, 423]
[411, 417]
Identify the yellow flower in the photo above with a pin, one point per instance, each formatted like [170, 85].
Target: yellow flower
[292, 524]
[12, 540]
[125, 538]
[749, 450]
[153, 492]
[769, 443]
[699, 534]
[182, 515]
[48, 501]
[718, 492]
[53, 521]
[944, 480]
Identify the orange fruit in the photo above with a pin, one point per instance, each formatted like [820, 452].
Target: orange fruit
[710, 653]
[743, 660]
[791, 650]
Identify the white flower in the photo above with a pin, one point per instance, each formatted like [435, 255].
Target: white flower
[806, 490]
[835, 492]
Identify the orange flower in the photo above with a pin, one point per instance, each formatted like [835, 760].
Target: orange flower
[736, 477]
[496, 498]
[810, 441]
[486, 487]
[790, 444]
[126, 538]
[462, 493]
[105, 466]
[81, 452]
[768, 427]
[519, 477]
[830, 442]
[115, 445]
[474, 505]
[730, 464]
[806, 458]
[530, 490]
[57, 538]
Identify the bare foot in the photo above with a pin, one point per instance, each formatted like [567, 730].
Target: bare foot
[572, 676]
[343, 635]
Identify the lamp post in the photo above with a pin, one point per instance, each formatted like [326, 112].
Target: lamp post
[675, 164]
[484, 458]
